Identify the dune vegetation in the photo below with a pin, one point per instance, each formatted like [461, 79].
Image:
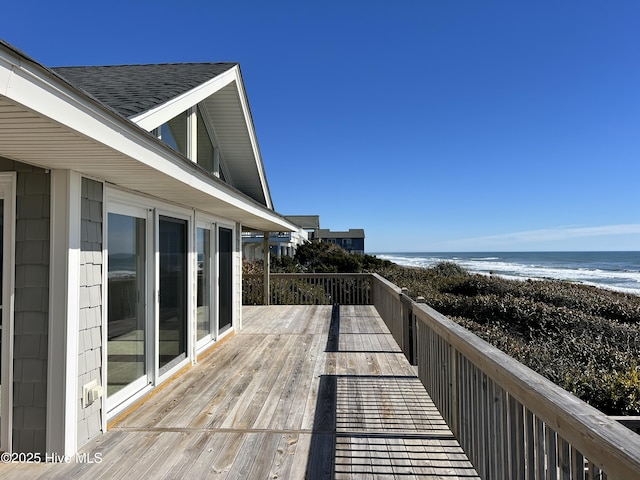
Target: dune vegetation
[584, 339]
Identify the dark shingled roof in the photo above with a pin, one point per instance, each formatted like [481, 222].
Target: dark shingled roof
[133, 89]
[352, 233]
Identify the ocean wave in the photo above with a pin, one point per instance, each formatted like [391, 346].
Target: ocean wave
[613, 278]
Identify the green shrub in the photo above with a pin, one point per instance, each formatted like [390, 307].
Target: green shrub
[584, 339]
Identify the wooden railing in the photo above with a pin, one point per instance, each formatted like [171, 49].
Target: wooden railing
[511, 422]
[308, 289]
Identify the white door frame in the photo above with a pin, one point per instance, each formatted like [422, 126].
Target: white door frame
[187, 215]
[208, 223]
[122, 206]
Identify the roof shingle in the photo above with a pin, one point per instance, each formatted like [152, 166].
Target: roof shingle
[133, 89]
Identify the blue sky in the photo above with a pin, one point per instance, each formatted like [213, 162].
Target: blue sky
[457, 125]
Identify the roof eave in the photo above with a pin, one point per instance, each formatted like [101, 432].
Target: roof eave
[87, 137]
[155, 117]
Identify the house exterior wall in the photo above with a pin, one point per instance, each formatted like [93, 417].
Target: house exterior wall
[57, 303]
[352, 245]
[91, 308]
[32, 356]
[33, 196]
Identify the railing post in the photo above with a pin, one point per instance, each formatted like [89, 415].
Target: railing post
[407, 331]
[374, 281]
[420, 299]
[267, 267]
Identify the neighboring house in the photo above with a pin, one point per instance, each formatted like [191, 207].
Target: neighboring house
[123, 194]
[280, 243]
[310, 223]
[352, 241]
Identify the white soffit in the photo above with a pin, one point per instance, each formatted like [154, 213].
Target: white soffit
[45, 123]
[228, 113]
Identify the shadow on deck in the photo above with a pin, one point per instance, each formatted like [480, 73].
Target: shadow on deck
[372, 426]
[301, 392]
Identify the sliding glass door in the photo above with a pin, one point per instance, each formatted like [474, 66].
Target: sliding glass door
[127, 324]
[204, 252]
[172, 240]
[225, 278]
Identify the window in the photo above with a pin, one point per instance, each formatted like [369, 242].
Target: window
[204, 283]
[225, 278]
[174, 133]
[206, 150]
[172, 334]
[127, 325]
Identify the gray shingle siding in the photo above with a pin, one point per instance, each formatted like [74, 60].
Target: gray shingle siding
[90, 324]
[33, 200]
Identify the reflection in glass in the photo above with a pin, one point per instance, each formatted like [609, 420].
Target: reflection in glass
[204, 282]
[125, 309]
[174, 133]
[225, 278]
[205, 147]
[173, 292]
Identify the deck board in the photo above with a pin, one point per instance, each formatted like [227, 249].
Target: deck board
[295, 394]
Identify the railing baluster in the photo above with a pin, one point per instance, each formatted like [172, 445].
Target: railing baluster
[477, 420]
[503, 437]
[563, 456]
[529, 445]
[577, 465]
[539, 448]
[501, 412]
[516, 439]
[551, 449]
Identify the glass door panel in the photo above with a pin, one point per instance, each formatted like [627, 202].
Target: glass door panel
[204, 282]
[126, 309]
[225, 278]
[172, 334]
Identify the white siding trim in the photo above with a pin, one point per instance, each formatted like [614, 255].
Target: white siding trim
[64, 311]
[27, 84]
[8, 188]
[163, 113]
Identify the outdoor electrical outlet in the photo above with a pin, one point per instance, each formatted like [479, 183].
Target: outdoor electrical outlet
[90, 393]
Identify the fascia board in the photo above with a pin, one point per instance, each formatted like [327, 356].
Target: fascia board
[30, 85]
[254, 140]
[41, 92]
[163, 113]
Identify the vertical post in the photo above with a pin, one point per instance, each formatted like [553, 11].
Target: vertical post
[267, 267]
[414, 326]
[216, 162]
[405, 315]
[192, 135]
[64, 316]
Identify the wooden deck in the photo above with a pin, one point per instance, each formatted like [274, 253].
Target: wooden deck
[298, 393]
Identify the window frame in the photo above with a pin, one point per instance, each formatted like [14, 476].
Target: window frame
[121, 203]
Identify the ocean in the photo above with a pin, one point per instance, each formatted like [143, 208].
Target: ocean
[613, 270]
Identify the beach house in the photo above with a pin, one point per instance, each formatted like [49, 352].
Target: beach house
[352, 241]
[124, 192]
